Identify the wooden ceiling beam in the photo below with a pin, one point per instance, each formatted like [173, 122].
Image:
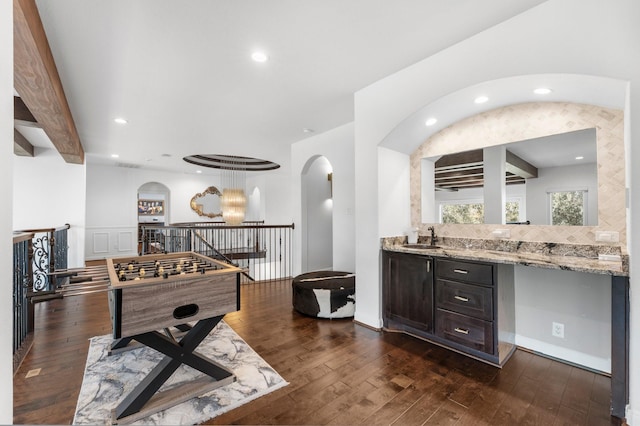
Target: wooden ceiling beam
[21, 145]
[520, 167]
[37, 81]
[460, 159]
[22, 113]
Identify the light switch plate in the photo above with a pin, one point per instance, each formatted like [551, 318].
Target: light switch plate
[607, 236]
[501, 233]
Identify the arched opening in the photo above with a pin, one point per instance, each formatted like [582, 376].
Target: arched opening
[153, 206]
[317, 215]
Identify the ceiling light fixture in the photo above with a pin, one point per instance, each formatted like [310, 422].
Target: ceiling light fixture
[481, 99]
[580, 157]
[233, 202]
[542, 91]
[120, 120]
[259, 56]
[431, 121]
[307, 130]
[198, 171]
[115, 156]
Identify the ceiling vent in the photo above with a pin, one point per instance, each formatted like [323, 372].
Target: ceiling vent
[128, 165]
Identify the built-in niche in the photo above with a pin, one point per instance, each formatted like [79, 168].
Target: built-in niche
[317, 215]
[522, 122]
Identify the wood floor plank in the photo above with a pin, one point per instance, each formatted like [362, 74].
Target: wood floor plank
[338, 372]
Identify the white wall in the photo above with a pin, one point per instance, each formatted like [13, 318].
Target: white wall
[337, 147]
[567, 178]
[277, 196]
[580, 301]
[317, 217]
[49, 192]
[112, 204]
[395, 198]
[602, 41]
[6, 211]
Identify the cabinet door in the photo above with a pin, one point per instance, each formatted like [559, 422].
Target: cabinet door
[409, 290]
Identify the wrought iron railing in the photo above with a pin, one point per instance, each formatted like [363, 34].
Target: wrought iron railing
[50, 254]
[265, 251]
[22, 307]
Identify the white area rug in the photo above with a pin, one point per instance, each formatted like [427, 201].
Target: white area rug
[108, 379]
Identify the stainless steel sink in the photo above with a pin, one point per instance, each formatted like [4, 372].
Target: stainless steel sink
[421, 246]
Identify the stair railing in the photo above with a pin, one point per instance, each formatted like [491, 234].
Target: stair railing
[50, 254]
[264, 250]
[23, 317]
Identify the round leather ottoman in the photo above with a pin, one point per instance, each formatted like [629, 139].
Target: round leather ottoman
[325, 294]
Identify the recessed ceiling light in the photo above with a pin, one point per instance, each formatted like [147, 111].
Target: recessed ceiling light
[580, 157]
[481, 99]
[120, 120]
[542, 91]
[115, 156]
[431, 121]
[259, 56]
[198, 171]
[307, 130]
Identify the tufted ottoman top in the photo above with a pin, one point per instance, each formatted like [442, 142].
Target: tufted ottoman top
[327, 280]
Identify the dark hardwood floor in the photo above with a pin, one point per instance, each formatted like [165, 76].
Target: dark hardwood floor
[339, 372]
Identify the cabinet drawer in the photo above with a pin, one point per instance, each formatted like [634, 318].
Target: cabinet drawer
[480, 273]
[471, 332]
[467, 299]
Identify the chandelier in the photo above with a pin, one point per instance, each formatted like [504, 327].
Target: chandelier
[234, 201]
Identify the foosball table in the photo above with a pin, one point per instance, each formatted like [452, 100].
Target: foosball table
[154, 300]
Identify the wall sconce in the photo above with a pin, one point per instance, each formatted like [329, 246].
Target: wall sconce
[330, 179]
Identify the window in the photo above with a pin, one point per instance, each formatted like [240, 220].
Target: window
[568, 207]
[462, 213]
[512, 212]
[472, 211]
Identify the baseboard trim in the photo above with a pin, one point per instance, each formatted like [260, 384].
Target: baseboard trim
[367, 326]
[22, 352]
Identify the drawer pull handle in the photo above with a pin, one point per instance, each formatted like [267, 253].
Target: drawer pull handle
[462, 299]
[460, 271]
[461, 330]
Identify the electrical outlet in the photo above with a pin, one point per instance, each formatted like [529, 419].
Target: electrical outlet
[557, 330]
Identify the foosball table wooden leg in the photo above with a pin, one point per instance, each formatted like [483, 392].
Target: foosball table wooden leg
[176, 353]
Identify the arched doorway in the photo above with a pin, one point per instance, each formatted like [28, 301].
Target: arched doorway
[317, 215]
[153, 206]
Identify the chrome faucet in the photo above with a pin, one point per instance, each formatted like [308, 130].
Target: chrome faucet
[434, 237]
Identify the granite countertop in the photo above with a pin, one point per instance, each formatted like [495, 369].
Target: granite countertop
[542, 255]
